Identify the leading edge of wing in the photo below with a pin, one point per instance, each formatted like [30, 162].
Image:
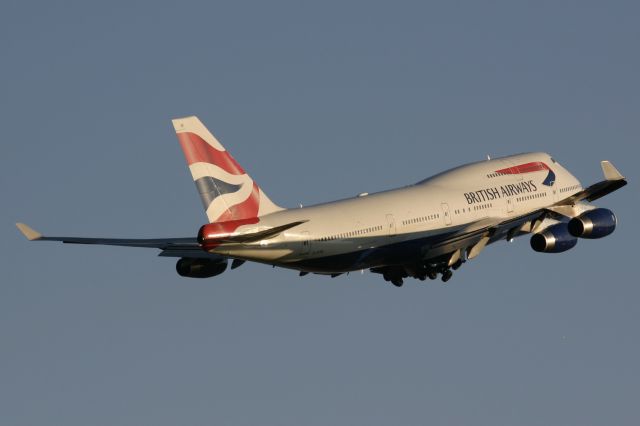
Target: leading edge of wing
[159, 243]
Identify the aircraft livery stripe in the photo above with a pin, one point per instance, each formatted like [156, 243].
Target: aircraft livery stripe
[524, 168]
[244, 210]
[197, 150]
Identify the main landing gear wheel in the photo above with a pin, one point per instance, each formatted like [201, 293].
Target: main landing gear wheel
[432, 275]
[446, 275]
[397, 282]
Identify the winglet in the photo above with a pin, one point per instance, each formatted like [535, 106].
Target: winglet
[610, 172]
[29, 232]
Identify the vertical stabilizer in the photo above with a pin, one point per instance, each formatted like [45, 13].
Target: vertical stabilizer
[226, 190]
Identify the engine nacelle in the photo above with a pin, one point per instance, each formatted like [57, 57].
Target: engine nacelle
[200, 268]
[593, 224]
[554, 239]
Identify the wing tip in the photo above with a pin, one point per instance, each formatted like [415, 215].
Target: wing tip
[30, 233]
[609, 171]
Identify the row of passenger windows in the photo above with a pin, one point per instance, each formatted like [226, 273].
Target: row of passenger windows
[474, 208]
[421, 219]
[493, 175]
[532, 196]
[355, 233]
[435, 216]
[570, 188]
[463, 210]
[483, 206]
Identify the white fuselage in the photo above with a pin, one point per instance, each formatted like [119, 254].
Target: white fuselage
[419, 231]
[442, 204]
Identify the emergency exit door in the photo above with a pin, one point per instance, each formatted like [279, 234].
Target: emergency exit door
[446, 214]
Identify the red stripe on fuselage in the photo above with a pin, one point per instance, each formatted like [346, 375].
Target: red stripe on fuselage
[524, 168]
[197, 150]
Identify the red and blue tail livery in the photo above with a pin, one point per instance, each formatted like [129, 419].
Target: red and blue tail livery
[424, 230]
[227, 192]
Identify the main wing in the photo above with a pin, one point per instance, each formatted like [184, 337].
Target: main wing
[171, 247]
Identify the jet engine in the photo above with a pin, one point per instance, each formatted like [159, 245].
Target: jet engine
[593, 224]
[200, 268]
[554, 239]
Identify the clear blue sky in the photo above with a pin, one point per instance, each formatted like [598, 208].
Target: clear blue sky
[318, 100]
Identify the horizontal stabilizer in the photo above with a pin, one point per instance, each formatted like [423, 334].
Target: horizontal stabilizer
[211, 234]
[262, 235]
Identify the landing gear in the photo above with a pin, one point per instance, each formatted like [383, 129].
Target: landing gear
[432, 269]
[394, 277]
[457, 264]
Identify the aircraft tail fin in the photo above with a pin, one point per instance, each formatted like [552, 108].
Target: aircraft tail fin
[226, 190]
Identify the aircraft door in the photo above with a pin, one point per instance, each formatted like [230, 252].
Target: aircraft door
[306, 243]
[446, 213]
[391, 225]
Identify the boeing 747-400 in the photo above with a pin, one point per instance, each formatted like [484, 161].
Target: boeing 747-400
[421, 231]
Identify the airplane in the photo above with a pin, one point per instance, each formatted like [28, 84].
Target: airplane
[424, 230]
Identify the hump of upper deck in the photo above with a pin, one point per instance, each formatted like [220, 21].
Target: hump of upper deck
[462, 175]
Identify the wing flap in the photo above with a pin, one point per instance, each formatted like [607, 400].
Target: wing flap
[190, 253]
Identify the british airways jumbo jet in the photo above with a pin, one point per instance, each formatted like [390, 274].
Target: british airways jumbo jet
[419, 231]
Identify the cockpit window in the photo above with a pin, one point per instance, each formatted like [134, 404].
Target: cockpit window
[553, 159]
